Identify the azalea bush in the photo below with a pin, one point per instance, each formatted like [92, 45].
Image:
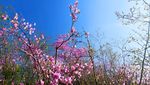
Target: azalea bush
[27, 58]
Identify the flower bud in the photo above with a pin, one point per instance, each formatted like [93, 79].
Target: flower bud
[73, 30]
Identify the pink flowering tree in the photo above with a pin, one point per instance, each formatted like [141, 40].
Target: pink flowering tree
[26, 59]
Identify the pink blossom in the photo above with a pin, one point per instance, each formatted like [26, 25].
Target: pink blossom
[73, 30]
[51, 59]
[42, 82]
[1, 33]
[74, 10]
[31, 30]
[21, 83]
[68, 80]
[15, 25]
[74, 17]
[4, 17]
[76, 3]
[12, 83]
[56, 75]
[77, 65]
[16, 16]
[66, 70]
[58, 42]
[73, 68]
[4, 29]
[85, 64]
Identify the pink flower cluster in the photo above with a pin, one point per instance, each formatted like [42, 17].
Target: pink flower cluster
[4, 16]
[70, 60]
[67, 73]
[74, 11]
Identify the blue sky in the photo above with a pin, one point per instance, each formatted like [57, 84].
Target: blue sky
[53, 18]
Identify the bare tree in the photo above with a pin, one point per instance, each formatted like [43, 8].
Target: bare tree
[139, 17]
